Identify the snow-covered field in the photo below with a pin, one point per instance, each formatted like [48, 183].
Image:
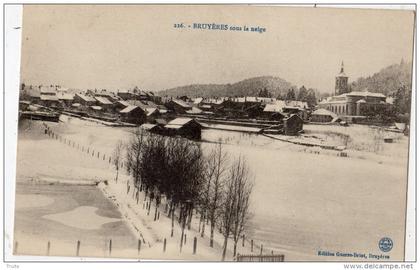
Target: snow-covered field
[302, 202]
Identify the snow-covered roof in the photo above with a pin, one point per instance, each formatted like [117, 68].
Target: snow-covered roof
[65, 96]
[277, 106]
[103, 100]
[147, 126]
[86, 98]
[129, 109]
[181, 103]
[124, 103]
[194, 110]
[324, 112]
[179, 122]
[297, 103]
[198, 100]
[49, 97]
[96, 108]
[47, 90]
[364, 94]
[214, 100]
[150, 111]
[246, 99]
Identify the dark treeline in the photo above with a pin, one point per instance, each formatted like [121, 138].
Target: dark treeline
[177, 170]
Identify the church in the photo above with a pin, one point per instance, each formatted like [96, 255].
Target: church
[351, 103]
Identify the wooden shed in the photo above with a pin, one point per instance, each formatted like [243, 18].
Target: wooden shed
[185, 127]
[133, 114]
[292, 125]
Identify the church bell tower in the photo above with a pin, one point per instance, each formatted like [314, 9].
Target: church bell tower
[341, 81]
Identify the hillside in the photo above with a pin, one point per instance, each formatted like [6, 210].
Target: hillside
[387, 80]
[249, 87]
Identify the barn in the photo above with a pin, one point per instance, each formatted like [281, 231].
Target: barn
[84, 100]
[178, 106]
[133, 114]
[185, 127]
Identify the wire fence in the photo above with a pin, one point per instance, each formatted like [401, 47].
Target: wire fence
[245, 242]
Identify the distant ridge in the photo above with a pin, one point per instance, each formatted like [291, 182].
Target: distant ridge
[387, 80]
[248, 87]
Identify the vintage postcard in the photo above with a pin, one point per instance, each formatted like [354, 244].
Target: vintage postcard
[214, 132]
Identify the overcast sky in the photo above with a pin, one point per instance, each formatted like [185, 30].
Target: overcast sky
[117, 47]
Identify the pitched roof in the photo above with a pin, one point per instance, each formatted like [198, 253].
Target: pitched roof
[198, 100]
[147, 126]
[364, 94]
[123, 102]
[96, 108]
[65, 96]
[194, 110]
[181, 103]
[179, 122]
[129, 109]
[150, 111]
[297, 103]
[49, 97]
[103, 100]
[137, 103]
[276, 106]
[324, 112]
[86, 98]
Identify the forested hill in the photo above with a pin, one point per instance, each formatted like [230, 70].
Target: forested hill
[387, 81]
[249, 87]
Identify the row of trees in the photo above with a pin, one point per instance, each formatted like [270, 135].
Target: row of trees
[303, 94]
[176, 169]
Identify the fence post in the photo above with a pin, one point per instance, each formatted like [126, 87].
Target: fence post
[48, 248]
[110, 246]
[78, 248]
[195, 245]
[261, 250]
[252, 245]
[15, 247]
[138, 247]
[164, 245]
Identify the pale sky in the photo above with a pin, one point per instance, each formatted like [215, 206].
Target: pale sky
[119, 47]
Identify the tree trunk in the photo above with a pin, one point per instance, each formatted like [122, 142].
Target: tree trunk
[183, 223]
[173, 221]
[190, 214]
[116, 177]
[224, 248]
[204, 226]
[211, 233]
[235, 243]
[156, 210]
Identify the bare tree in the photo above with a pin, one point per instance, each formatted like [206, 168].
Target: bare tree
[226, 210]
[235, 207]
[117, 157]
[134, 156]
[217, 166]
[243, 185]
